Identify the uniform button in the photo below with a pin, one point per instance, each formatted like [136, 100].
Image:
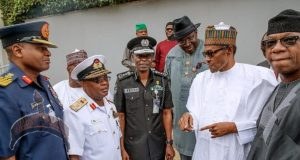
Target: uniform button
[114, 132]
[130, 138]
[147, 105]
[148, 118]
[118, 147]
[149, 132]
[131, 98]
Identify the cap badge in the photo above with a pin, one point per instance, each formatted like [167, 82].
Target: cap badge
[97, 64]
[45, 31]
[145, 42]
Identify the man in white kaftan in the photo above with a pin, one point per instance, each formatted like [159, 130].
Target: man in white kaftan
[232, 97]
[69, 90]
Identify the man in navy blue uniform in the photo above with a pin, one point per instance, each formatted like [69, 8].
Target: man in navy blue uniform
[31, 115]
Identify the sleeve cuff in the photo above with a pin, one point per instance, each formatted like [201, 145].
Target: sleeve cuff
[245, 132]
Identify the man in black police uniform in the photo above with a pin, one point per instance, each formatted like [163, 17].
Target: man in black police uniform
[31, 115]
[144, 103]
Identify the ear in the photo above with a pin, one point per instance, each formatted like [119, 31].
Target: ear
[17, 50]
[230, 49]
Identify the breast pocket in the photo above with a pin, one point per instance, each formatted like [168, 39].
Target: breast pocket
[132, 102]
[97, 126]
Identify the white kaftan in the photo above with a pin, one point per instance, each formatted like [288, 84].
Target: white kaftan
[236, 95]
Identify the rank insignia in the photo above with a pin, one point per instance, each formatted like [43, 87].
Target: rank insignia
[76, 106]
[27, 80]
[6, 79]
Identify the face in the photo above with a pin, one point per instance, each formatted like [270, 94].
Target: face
[96, 88]
[189, 43]
[143, 62]
[140, 33]
[217, 58]
[283, 52]
[32, 57]
[169, 31]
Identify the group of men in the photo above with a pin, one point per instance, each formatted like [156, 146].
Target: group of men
[219, 109]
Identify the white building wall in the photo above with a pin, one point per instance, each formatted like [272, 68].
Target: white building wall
[107, 30]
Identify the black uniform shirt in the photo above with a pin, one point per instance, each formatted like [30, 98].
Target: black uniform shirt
[144, 131]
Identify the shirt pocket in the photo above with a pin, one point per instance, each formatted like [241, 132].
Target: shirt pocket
[97, 126]
[132, 102]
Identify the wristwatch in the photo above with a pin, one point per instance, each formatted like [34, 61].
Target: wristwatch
[170, 142]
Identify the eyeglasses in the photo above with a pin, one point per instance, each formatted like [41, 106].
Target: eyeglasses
[285, 41]
[189, 38]
[99, 80]
[211, 53]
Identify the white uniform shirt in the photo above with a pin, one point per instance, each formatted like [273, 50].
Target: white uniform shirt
[94, 132]
[236, 95]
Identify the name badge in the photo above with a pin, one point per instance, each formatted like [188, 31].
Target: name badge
[131, 90]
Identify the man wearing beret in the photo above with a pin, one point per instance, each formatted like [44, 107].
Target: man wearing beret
[278, 125]
[183, 62]
[67, 90]
[31, 116]
[141, 30]
[233, 95]
[144, 103]
[94, 132]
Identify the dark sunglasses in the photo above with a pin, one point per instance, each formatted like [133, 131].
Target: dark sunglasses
[99, 80]
[285, 41]
[211, 53]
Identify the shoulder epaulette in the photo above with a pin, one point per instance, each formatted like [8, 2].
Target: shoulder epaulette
[76, 106]
[125, 75]
[160, 73]
[6, 79]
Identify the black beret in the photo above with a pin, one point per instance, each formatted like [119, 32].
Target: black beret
[33, 32]
[141, 45]
[286, 21]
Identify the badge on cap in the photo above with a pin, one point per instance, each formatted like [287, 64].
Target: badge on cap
[145, 42]
[45, 31]
[97, 64]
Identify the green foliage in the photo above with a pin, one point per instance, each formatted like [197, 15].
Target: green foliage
[16, 11]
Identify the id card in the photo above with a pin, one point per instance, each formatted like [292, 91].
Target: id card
[156, 103]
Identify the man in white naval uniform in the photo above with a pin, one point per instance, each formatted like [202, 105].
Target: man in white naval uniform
[232, 97]
[94, 132]
[68, 90]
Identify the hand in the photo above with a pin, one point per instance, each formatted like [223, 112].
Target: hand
[220, 129]
[170, 153]
[186, 122]
[125, 155]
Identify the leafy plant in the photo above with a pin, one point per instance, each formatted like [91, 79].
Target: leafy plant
[16, 11]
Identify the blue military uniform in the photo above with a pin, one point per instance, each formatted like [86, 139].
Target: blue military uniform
[31, 124]
[30, 118]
